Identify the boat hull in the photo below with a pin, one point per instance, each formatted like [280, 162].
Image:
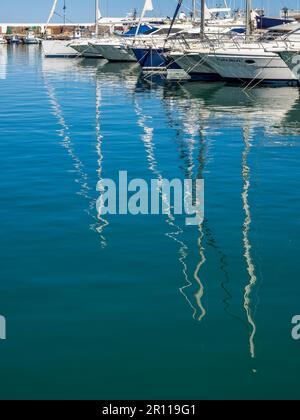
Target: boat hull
[154, 59]
[264, 22]
[242, 67]
[53, 49]
[115, 53]
[292, 60]
[86, 51]
[198, 69]
[31, 42]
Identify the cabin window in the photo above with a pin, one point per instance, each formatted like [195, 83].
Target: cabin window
[249, 61]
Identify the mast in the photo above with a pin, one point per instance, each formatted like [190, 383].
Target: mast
[248, 20]
[148, 7]
[51, 15]
[97, 18]
[203, 7]
[174, 18]
[194, 9]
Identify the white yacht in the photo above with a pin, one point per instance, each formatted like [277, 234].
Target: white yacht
[249, 64]
[115, 48]
[31, 39]
[120, 48]
[53, 48]
[248, 60]
[2, 40]
[161, 55]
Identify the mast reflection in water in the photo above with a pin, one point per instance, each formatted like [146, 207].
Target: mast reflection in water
[145, 306]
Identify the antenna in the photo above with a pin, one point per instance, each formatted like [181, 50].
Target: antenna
[64, 9]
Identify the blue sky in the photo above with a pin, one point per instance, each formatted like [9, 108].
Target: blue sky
[79, 10]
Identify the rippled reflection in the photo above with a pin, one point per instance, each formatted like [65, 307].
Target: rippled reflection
[3, 62]
[144, 122]
[218, 105]
[193, 110]
[192, 149]
[103, 223]
[51, 69]
[247, 243]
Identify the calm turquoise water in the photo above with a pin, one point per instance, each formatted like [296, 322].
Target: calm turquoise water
[145, 307]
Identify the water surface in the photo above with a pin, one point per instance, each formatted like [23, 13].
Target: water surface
[130, 307]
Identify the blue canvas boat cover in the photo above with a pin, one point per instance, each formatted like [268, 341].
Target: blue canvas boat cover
[144, 30]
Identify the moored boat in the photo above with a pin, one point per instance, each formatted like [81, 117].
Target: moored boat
[15, 39]
[247, 60]
[117, 48]
[31, 39]
[164, 54]
[248, 64]
[58, 48]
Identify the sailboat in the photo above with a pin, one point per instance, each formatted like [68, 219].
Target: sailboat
[214, 23]
[116, 48]
[58, 48]
[121, 48]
